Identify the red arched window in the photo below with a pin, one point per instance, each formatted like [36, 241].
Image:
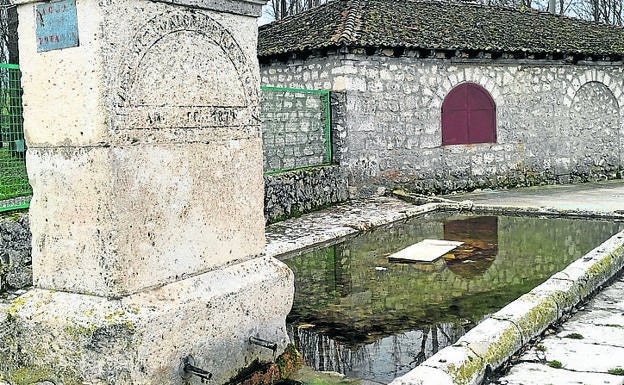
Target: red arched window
[468, 116]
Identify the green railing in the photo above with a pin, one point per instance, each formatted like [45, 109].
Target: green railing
[296, 128]
[15, 191]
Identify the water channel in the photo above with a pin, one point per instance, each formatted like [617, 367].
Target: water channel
[359, 314]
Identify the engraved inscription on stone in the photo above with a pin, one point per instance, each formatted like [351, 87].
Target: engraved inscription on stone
[184, 70]
[56, 25]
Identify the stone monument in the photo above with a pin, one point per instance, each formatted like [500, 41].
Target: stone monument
[144, 153]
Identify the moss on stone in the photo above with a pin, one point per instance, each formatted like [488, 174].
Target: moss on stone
[289, 362]
[465, 373]
[29, 374]
[15, 306]
[79, 332]
[600, 269]
[267, 374]
[538, 318]
[503, 347]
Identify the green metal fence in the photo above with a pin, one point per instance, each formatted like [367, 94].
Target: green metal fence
[295, 128]
[15, 191]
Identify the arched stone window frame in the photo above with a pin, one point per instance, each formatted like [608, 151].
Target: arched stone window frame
[468, 115]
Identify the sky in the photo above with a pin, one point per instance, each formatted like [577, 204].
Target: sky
[266, 14]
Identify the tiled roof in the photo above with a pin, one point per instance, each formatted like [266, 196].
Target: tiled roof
[436, 25]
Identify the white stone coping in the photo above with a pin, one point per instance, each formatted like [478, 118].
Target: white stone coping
[323, 229]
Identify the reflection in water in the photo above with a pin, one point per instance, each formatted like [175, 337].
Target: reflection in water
[381, 360]
[359, 314]
[476, 254]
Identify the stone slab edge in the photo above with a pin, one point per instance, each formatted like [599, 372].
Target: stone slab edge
[335, 235]
[536, 211]
[279, 249]
[467, 361]
[453, 205]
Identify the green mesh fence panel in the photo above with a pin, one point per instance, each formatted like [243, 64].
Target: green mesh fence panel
[15, 191]
[295, 128]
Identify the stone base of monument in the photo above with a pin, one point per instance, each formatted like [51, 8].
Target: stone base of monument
[215, 324]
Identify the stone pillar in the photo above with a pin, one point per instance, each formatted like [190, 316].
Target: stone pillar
[144, 153]
[143, 145]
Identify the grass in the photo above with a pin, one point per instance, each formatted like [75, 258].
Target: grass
[13, 176]
[616, 371]
[574, 336]
[555, 364]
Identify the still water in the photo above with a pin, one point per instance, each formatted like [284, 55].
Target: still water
[357, 313]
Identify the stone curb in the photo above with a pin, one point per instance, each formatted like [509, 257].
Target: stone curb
[491, 343]
[451, 204]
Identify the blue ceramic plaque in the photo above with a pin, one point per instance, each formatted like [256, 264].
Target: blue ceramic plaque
[56, 25]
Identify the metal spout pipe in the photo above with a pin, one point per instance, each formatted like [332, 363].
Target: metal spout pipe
[190, 369]
[263, 343]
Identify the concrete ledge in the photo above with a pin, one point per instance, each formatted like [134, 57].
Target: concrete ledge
[531, 314]
[419, 374]
[487, 346]
[461, 364]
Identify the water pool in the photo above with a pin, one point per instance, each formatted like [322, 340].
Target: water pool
[359, 314]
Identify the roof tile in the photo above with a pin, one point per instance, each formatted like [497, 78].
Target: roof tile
[436, 25]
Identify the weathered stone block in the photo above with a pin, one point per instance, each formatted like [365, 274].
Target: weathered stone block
[460, 363]
[531, 314]
[424, 375]
[124, 224]
[15, 254]
[72, 339]
[494, 341]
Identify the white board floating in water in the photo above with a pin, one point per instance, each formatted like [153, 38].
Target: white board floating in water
[425, 251]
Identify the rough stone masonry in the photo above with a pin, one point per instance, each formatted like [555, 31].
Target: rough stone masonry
[556, 101]
[555, 123]
[147, 223]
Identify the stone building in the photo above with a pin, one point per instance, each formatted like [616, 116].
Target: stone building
[435, 96]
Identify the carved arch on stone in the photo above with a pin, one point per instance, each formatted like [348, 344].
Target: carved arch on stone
[593, 75]
[232, 75]
[592, 132]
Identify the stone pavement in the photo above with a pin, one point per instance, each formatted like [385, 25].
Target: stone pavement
[584, 350]
[601, 197]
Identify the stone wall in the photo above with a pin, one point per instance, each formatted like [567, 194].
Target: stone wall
[292, 193]
[556, 122]
[294, 129]
[15, 251]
